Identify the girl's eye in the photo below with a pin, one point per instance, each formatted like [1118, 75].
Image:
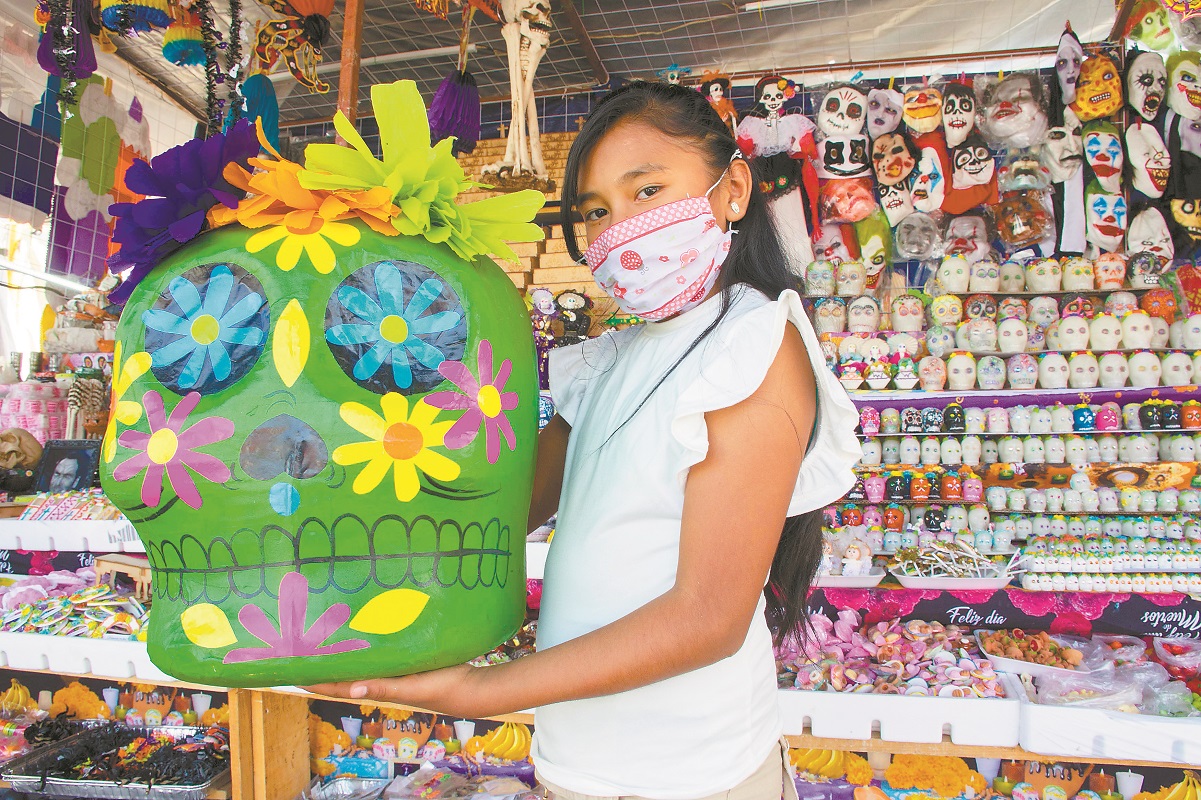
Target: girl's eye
[594, 214]
[647, 192]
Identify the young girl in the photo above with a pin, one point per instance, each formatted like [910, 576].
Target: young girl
[688, 464]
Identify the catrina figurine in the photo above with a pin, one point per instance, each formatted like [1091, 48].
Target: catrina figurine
[715, 86]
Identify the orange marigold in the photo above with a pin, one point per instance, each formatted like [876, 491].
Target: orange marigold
[859, 772]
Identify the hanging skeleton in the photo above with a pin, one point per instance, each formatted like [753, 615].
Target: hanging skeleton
[297, 39]
[526, 31]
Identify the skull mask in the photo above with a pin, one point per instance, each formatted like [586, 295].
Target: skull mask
[883, 111]
[897, 202]
[18, 449]
[958, 112]
[1146, 85]
[971, 163]
[843, 112]
[349, 453]
[922, 110]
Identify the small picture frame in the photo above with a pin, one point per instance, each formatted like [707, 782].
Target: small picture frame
[68, 465]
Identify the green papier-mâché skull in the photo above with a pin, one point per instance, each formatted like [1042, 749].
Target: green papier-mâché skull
[325, 436]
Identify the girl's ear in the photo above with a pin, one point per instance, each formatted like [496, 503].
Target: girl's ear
[738, 187]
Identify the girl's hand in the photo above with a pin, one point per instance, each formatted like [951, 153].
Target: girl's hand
[453, 690]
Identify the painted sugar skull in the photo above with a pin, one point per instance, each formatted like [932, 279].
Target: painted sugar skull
[1053, 371]
[990, 373]
[1105, 332]
[954, 274]
[1084, 371]
[1077, 275]
[947, 310]
[830, 315]
[1109, 271]
[852, 279]
[940, 340]
[1160, 303]
[981, 306]
[961, 371]
[1013, 277]
[1073, 332]
[908, 313]
[933, 373]
[1013, 308]
[1118, 303]
[819, 279]
[332, 473]
[1022, 370]
[1011, 336]
[1044, 275]
[986, 277]
[863, 315]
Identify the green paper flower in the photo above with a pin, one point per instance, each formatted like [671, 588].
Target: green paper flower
[424, 180]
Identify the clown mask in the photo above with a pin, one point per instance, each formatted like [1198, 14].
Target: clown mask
[843, 112]
[1013, 114]
[1149, 234]
[883, 111]
[897, 202]
[971, 163]
[1105, 218]
[1022, 171]
[922, 109]
[1146, 85]
[1184, 84]
[916, 237]
[958, 113]
[1103, 152]
[1068, 58]
[1063, 150]
[1099, 91]
[875, 246]
[894, 157]
[831, 244]
[929, 182]
[967, 236]
[940, 340]
[1150, 164]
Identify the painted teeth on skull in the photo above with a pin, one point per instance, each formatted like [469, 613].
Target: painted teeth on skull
[390, 554]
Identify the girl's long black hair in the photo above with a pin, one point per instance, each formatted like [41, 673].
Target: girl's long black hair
[755, 260]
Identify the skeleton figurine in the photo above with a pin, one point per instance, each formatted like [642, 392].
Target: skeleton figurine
[526, 31]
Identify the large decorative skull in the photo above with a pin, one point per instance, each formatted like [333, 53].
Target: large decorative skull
[19, 449]
[333, 470]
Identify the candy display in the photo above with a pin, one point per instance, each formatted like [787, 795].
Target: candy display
[1035, 648]
[58, 605]
[90, 504]
[955, 559]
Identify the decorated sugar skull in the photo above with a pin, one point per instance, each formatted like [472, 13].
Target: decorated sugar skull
[1136, 330]
[954, 274]
[819, 279]
[830, 315]
[1183, 450]
[843, 111]
[1077, 275]
[990, 373]
[1160, 303]
[1011, 336]
[947, 310]
[980, 335]
[940, 340]
[1145, 369]
[1062, 420]
[863, 315]
[1176, 369]
[980, 306]
[1022, 370]
[931, 451]
[1118, 303]
[932, 419]
[972, 453]
[1083, 371]
[1159, 332]
[1114, 370]
[1073, 332]
[908, 313]
[1044, 275]
[1105, 332]
[961, 371]
[1109, 271]
[1012, 277]
[1040, 420]
[997, 419]
[933, 373]
[1053, 371]
[333, 468]
[852, 279]
[986, 277]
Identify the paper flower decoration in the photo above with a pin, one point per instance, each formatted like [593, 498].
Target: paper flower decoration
[182, 43]
[180, 185]
[423, 181]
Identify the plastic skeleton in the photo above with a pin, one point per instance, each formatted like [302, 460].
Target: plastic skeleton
[526, 31]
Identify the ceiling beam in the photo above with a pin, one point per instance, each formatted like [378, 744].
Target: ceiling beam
[348, 75]
[581, 34]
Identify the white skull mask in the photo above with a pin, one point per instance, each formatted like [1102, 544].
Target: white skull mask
[1114, 370]
[1068, 58]
[1176, 369]
[1109, 270]
[1063, 151]
[961, 372]
[1013, 277]
[1150, 163]
[1083, 371]
[1053, 371]
[852, 279]
[958, 112]
[1011, 336]
[1145, 370]
[897, 202]
[986, 277]
[1105, 332]
[863, 315]
[1137, 330]
[1149, 234]
[1146, 84]
[883, 111]
[843, 112]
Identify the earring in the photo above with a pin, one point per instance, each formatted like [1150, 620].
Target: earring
[734, 207]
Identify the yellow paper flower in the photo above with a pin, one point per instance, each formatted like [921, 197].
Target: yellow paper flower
[127, 412]
[307, 235]
[398, 440]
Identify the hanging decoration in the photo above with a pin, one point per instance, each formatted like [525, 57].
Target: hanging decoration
[455, 110]
[183, 44]
[261, 104]
[297, 38]
[66, 48]
[236, 70]
[140, 16]
[212, 69]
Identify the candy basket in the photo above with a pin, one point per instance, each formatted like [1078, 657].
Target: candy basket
[24, 774]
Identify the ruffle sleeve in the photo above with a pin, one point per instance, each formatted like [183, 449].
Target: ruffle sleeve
[571, 370]
[737, 365]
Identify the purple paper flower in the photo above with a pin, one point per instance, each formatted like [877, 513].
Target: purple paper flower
[484, 399]
[291, 640]
[170, 449]
[181, 185]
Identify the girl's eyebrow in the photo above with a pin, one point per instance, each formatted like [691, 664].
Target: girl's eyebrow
[631, 175]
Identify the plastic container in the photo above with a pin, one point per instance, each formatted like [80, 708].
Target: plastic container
[1019, 667]
[952, 584]
[872, 578]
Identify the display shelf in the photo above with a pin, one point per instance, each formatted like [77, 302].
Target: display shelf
[1016, 397]
[76, 535]
[121, 659]
[993, 435]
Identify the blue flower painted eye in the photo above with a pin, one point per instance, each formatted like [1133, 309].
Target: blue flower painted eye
[208, 329]
[391, 324]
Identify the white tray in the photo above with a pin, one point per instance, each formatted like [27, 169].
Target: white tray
[952, 584]
[867, 581]
[70, 535]
[75, 655]
[1096, 733]
[898, 718]
[1019, 667]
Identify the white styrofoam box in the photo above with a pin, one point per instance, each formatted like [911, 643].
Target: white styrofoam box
[70, 535]
[1064, 730]
[109, 658]
[535, 559]
[991, 721]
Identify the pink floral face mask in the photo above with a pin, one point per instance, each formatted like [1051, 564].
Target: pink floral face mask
[661, 262]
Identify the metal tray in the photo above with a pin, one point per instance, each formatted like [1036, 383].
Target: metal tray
[22, 774]
[346, 789]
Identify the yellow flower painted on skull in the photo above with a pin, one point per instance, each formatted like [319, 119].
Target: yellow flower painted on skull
[127, 412]
[399, 440]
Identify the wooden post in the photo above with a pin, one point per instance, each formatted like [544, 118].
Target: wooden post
[279, 726]
[348, 77]
[241, 745]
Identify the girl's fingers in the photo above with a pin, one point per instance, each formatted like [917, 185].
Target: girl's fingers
[355, 690]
